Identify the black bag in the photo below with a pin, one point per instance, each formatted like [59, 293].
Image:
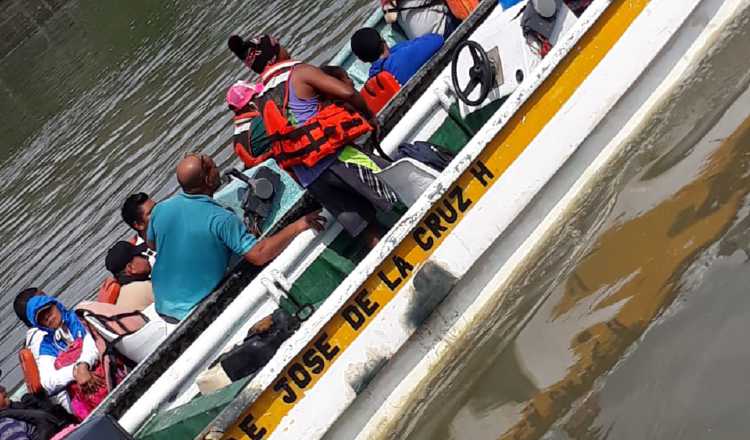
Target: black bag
[258, 348]
[429, 154]
[99, 428]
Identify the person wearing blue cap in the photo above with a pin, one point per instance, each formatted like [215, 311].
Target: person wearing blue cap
[62, 329]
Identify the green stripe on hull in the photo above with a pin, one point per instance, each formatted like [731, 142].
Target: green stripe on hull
[188, 420]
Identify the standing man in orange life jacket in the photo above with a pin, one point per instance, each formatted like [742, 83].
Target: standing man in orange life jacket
[340, 176]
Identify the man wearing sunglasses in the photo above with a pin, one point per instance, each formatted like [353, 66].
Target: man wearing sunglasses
[195, 237]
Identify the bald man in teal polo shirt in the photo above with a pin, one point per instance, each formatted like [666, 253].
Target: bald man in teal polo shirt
[195, 237]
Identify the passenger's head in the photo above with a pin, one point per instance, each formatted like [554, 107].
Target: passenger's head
[19, 303]
[136, 212]
[4, 398]
[45, 312]
[257, 53]
[338, 73]
[198, 174]
[124, 259]
[368, 45]
[240, 96]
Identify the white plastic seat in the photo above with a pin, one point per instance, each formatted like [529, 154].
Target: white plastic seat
[408, 178]
[138, 345]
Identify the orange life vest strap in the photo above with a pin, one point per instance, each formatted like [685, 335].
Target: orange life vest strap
[322, 135]
[462, 9]
[242, 140]
[272, 77]
[109, 292]
[30, 371]
[379, 89]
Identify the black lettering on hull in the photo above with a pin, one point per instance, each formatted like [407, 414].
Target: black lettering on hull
[324, 347]
[389, 283]
[299, 375]
[424, 242]
[480, 172]
[353, 317]
[282, 385]
[457, 194]
[251, 429]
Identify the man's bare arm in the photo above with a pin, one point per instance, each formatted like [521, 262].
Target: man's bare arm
[319, 82]
[270, 247]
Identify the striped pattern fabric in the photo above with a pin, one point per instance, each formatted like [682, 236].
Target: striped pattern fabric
[373, 182]
[12, 429]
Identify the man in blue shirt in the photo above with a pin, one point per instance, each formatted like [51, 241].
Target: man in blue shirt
[402, 60]
[195, 237]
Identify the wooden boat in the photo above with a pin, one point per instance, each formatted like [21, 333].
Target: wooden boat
[386, 325]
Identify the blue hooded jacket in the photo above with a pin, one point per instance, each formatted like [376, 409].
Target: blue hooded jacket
[50, 347]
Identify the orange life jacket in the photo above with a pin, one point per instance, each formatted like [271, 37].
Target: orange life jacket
[461, 9]
[322, 135]
[378, 90]
[109, 291]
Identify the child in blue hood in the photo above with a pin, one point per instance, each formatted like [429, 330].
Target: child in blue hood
[63, 328]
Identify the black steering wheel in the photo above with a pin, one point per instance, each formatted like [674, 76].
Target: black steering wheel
[480, 73]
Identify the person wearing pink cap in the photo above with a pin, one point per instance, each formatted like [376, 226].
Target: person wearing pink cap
[250, 142]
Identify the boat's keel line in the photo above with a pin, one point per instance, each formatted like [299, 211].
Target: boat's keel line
[314, 360]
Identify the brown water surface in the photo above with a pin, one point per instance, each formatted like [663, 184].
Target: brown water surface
[645, 337]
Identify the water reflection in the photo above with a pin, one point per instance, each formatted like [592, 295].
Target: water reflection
[647, 253]
[632, 274]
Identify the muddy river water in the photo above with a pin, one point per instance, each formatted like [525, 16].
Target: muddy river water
[644, 337]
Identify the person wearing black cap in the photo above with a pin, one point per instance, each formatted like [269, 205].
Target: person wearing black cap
[257, 53]
[402, 60]
[133, 271]
[344, 181]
